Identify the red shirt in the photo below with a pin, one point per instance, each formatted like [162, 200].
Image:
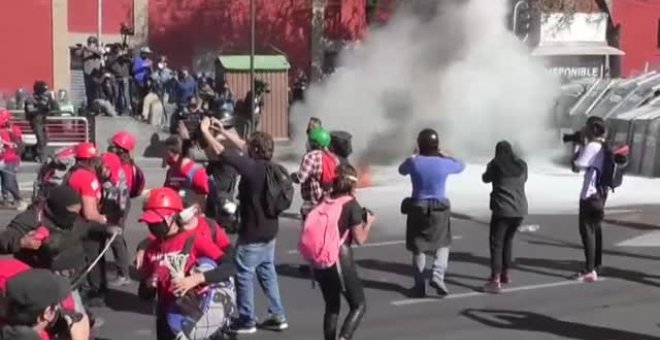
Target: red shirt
[177, 178]
[10, 135]
[154, 259]
[85, 182]
[204, 229]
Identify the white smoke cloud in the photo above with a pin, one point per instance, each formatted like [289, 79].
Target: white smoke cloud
[454, 68]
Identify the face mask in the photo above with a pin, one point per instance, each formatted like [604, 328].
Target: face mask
[63, 220]
[160, 229]
[188, 214]
[171, 160]
[161, 66]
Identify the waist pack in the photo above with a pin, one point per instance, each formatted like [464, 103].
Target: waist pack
[320, 239]
[204, 313]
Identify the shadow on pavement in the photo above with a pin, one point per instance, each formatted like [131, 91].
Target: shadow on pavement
[294, 271]
[552, 242]
[533, 322]
[122, 301]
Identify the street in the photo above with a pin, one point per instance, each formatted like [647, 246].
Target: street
[541, 303]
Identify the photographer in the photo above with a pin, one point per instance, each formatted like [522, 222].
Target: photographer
[428, 211]
[92, 56]
[590, 157]
[38, 306]
[119, 63]
[37, 109]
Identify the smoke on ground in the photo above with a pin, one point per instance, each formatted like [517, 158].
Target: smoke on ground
[453, 67]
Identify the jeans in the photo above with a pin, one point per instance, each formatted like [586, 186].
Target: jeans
[502, 231]
[591, 217]
[9, 182]
[439, 266]
[123, 96]
[259, 258]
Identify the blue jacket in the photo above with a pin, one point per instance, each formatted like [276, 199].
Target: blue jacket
[141, 70]
[185, 89]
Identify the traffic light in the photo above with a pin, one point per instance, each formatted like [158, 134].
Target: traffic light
[522, 19]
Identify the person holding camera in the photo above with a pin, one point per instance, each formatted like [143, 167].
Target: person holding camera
[37, 108]
[428, 210]
[92, 58]
[119, 63]
[589, 158]
[38, 305]
[508, 203]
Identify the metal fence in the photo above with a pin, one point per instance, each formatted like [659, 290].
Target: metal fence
[62, 131]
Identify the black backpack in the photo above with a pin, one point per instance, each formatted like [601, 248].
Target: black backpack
[278, 193]
[614, 165]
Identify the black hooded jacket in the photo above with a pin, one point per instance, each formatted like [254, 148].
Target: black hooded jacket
[62, 251]
[508, 173]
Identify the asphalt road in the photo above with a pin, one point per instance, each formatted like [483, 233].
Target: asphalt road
[541, 303]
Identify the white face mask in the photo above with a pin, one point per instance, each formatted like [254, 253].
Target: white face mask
[188, 214]
[161, 66]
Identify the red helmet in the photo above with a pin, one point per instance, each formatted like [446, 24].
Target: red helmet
[124, 140]
[85, 150]
[161, 203]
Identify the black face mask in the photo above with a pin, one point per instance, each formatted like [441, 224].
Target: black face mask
[160, 229]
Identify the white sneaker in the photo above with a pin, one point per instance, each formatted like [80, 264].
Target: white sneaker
[21, 206]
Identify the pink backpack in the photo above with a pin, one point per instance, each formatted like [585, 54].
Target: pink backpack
[320, 240]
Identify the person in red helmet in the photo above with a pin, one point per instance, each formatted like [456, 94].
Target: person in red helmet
[122, 144]
[86, 179]
[162, 215]
[115, 204]
[183, 173]
[10, 143]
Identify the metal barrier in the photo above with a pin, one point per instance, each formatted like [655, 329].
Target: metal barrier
[61, 131]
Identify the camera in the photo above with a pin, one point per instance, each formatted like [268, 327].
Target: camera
[575, 138]
[365, 214]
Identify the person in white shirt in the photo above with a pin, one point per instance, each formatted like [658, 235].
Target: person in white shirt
[590, 159]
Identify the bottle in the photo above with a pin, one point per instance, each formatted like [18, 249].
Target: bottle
[529, 228]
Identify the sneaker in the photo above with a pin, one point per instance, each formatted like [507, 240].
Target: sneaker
[587, 277]
[21, 206]
[274, 323]
[243, 328]
[439, 287]
[505, 279]
[120, 281]
[493, 287]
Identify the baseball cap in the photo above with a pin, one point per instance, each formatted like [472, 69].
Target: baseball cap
[34, 290]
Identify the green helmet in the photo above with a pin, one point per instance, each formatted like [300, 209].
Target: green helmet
[319, 137]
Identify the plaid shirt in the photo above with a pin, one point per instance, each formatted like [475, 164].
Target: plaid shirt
[309, 175]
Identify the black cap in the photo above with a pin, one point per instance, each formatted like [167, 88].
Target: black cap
[34, 290]
[92, 39]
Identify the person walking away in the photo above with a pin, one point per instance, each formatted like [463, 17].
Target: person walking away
[316, 171]
[120, 65]
[142, 67]
[37, 108]
[37, 305]
[11, 139]
[92, 58]
[337, 273]
[590, 158]
[508, 203]
[161, 213]
[115, 203]
[255, 249]
[428, 210]
[86, 178]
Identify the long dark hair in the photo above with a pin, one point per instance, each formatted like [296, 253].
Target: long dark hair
[506, 163]
[346, 180]
[124, 155]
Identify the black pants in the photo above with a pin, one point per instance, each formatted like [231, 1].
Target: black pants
[119, 248]
[38, 125]
[591, 217]
[502, 231]
[331, 287]
[91, 89]
[163, 330]
[96, 283]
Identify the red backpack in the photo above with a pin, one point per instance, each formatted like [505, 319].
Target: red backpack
[328, 168]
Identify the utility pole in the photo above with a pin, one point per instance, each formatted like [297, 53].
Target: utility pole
[253, 19]
[99, 20]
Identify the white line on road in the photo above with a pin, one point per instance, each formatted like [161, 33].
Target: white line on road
[407, 302]
[376, 244]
